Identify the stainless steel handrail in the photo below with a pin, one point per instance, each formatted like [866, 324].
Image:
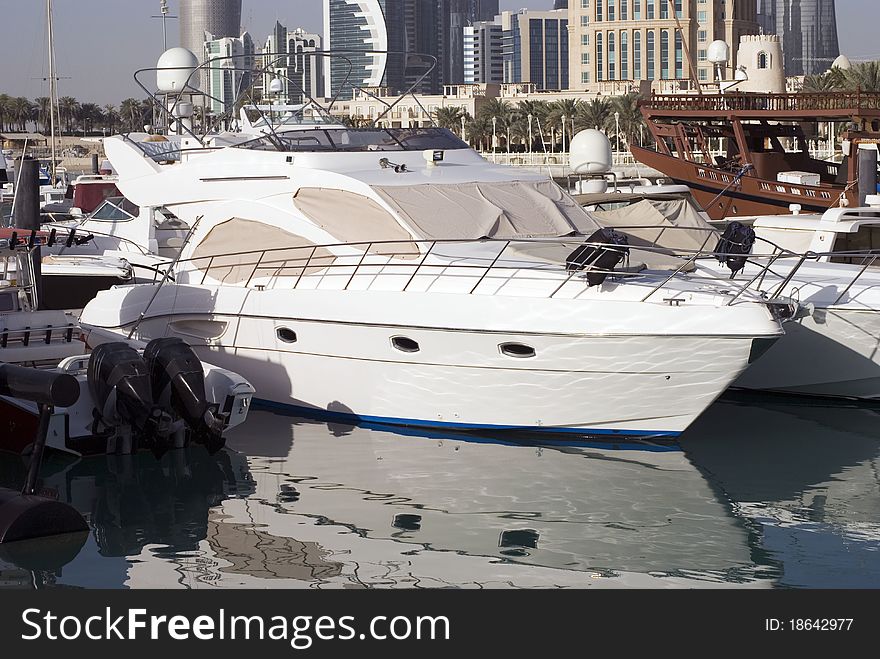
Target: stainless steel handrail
[262, 260]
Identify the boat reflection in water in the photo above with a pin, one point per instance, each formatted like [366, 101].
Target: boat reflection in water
[805, 476]
[762, 492]
[136, 505]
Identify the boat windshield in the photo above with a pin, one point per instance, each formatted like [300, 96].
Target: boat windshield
[115, 209]
[358, 139]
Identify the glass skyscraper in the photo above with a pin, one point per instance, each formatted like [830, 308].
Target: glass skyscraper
[220, 18]
[807, 30]
[379, 40]
[455, 15]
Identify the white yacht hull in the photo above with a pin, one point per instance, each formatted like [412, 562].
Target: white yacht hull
[582, 378]
[831, 352]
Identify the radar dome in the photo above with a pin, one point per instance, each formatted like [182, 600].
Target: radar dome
[174, 69]
[841, 62]
[590, 153]
[718, 52]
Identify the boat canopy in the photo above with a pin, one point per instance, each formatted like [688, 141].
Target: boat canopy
[470, 211]
[652, 216]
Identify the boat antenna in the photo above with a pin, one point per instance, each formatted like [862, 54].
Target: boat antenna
[692, 67]
[163, 9]
[165, 276]
[53, 89]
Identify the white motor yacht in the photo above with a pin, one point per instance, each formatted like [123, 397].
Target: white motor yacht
[826, 263]
[394, 275]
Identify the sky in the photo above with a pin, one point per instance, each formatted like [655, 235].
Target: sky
[99, 44]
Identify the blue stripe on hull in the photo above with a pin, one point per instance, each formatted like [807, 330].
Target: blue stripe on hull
[328, 415]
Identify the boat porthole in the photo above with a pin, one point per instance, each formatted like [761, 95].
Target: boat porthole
[404, 344]
[286, 334]
[519, 350]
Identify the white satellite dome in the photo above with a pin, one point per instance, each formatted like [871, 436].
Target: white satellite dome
[590, 153]
[841, 62]
[718, 52]
[175, 68]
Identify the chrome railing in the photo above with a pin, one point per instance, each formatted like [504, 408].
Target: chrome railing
[289, 267]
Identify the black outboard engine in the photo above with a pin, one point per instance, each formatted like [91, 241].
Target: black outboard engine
[178, 383]
[602, 259]
[120, 386]
[734, 246]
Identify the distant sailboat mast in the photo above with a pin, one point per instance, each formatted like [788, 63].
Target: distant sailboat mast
[53, 90]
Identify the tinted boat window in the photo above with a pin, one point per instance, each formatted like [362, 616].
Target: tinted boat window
[866, 239]
[359, 139]
[364, 140]
[418, 139]
[111, 210]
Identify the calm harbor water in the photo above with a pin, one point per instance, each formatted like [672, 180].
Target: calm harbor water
[761, 492]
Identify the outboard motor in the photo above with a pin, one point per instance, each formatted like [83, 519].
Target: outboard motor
[734, 246]
[602, 259]
[120, 386]
[178, 383]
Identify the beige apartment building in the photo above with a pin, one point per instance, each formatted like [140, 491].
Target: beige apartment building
[616, 44]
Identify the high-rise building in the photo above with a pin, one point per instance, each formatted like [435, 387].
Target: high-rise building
[483, 10]
[455, 15]
[484, 53]
[421, 18]
[624, 42]
[289, 55]
[227, 78]
[536, 48]
[767, 16]
[220, 18]
[379, 42]
[807, 30]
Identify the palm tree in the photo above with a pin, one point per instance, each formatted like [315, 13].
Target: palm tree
[479, 130]
[130, 113]
[42, 103]
[566, 107]
[449, 117]
[629, 117]
[5, 108]
[110, 117]
[503, 111]
[21, 110]
[68, 107]
[821, 83]
[89, 114]
[539, 109]
[864, 76]
[594, 114]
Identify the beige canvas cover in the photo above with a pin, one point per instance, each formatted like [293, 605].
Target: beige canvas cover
[354, 218]
[226, 241]
[469, 211]
[690, 232]
[673, 225]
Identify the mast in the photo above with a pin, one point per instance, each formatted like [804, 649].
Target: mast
[53, 91]
[692, 69]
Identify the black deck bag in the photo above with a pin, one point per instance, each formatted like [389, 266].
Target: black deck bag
[734, 246]
[600, 259]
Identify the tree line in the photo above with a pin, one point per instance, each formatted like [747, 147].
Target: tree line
[17, 113]
[546, 120]
[864, 76]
